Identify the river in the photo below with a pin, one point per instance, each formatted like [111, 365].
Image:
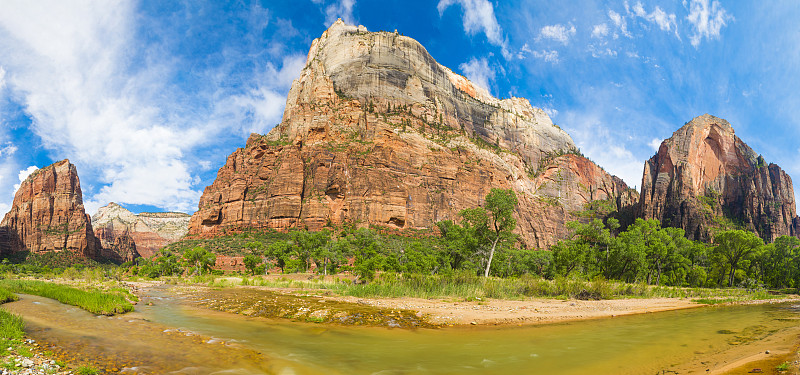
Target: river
[173, 336]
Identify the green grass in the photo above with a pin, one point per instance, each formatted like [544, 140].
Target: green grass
[467, 286]
[11, 326]
[94, 301]
[86, 370]
[7, 296]
[783, 366]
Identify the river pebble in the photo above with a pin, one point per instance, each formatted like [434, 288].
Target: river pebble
[30, 364]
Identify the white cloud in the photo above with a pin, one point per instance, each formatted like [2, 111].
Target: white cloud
[620, 22]
[23, 174]
[72, 72]
[601, 52]
[262, 105]
[552, 112]
[665, 21]
[598, 143]
[7, 150]
[119, 116]
[655, 144]
[478, 71]
[2, 78]
[558, 32]
[549, 56]
[478, 17]
[339, 9]
[600, 31]
[525, 50]
[707, 20]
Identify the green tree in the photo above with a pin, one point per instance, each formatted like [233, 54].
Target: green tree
[568, 256]
[280, 252]
[491, 225]
[308, 245]
[201, 259]
[779, 261]
[252, 263]
[460, 243]
[366, 249]
[501, 204]
[733, 246]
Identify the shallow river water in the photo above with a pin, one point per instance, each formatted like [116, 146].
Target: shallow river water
[174, 336]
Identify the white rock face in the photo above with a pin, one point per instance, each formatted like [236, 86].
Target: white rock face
[390, 70]
[149, 230]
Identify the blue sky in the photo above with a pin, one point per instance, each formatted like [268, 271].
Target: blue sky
[148, 98]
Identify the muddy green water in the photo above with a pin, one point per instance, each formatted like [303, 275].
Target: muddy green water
[174, 336]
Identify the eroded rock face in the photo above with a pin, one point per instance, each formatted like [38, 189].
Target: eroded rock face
[48, 214]
[377, 132]
[704, 176]
[149, 231]
[122, 250]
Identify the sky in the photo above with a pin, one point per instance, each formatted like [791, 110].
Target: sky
[148, 98]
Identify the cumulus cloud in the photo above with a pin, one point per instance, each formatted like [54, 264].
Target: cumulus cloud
[655, 144]
[71, 69]
[558, 33]
[595, 139]
[113, 103]
[339, 9]
[262, 105]
[549, 56]
[600, 31]
[23, 174]
[478, 17]
[707, 20]
[478, 71]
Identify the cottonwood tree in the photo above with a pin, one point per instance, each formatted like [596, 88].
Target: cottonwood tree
[201, 258]
[492, 224]
[253, 264]
[733, 246]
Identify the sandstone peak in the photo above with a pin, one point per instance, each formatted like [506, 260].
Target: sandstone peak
[704, 176]
[48, 214]
[386, 70]
[376, 132]
[145, 233]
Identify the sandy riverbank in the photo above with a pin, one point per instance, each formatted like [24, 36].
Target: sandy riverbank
[531, 311]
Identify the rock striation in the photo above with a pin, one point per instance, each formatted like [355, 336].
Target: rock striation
[376, 132]
[147, 231]
[705, 177]
[48, 215]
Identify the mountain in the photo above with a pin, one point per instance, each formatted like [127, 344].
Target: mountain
[705, 177]
[48, 215]
[148, 231]
[376, 132]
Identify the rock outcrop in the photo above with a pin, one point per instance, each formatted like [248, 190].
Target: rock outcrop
[122, 250]
[48, 215]
[376, 132]
[149, 231]
[704, 177]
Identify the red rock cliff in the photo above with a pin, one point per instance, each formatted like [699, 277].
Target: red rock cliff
[377, 132]
[704, 176]
[48, 214]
